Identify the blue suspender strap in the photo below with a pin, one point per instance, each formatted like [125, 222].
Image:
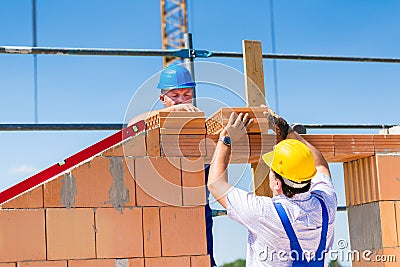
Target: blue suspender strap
[294, 243]
[324, 231]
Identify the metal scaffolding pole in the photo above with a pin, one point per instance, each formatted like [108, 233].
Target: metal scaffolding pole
[186, 53]
[189, 62]
[348, 126]
[182, 53]
[61, 127]
[91, 51]
[119, 126]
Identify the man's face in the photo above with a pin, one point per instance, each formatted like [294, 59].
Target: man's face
[177, 96]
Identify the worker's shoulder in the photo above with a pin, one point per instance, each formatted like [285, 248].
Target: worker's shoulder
[321, 179]
[243, 198]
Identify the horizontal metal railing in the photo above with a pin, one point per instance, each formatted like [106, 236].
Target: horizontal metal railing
[182, 53]
[119, 126]
[216, 213]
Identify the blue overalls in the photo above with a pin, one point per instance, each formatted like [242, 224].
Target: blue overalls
[296, 252]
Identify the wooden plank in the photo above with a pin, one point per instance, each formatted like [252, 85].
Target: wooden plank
[254, 73]
[255, 96]
[261, 170]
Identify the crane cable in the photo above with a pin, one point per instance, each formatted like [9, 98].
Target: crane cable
[274, 63]
[35, 75]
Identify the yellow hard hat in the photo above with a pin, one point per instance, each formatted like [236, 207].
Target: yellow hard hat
[292, 160]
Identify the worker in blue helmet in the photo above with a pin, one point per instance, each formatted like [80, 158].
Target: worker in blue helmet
[177, 89]
[177, 92]
[175, 77]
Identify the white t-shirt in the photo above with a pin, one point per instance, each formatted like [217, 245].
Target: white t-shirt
[268, 244]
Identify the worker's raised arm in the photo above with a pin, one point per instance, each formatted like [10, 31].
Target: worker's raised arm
[218, 176]
[283, 130]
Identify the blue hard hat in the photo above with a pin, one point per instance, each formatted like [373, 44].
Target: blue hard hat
[175, 77]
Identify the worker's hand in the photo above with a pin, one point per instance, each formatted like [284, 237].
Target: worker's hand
[278, 124]
[237, 126]
[184, 107]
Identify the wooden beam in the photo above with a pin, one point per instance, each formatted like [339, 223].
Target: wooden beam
[255, 96]
[254, 73]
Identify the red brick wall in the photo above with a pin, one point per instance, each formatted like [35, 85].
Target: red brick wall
[97, 215]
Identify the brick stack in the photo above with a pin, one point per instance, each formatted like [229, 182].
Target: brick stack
[219, 119]
[250, 147]
[372, 195]
[125, 207]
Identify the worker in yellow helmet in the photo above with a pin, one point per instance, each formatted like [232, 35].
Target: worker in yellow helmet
[295, 226]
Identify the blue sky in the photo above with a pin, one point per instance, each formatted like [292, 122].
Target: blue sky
[99, 89]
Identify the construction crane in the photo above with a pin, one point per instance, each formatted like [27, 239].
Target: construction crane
[173, 26]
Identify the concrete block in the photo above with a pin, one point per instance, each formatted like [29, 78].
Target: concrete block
[388, 176]
[187, 239]
[92, 263]
[137, 262]
[151, 232]
[135, 146]
[373, 225]
[200, 261]
[153, 142]
[70, 233]
[102, 182]
[193, 181]
[183, 145]
[158, 181]
[365, 226]
[119, 234]
[22, 235]
[388, 223]
[28, 200]
[167, 262]
[42, 264]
